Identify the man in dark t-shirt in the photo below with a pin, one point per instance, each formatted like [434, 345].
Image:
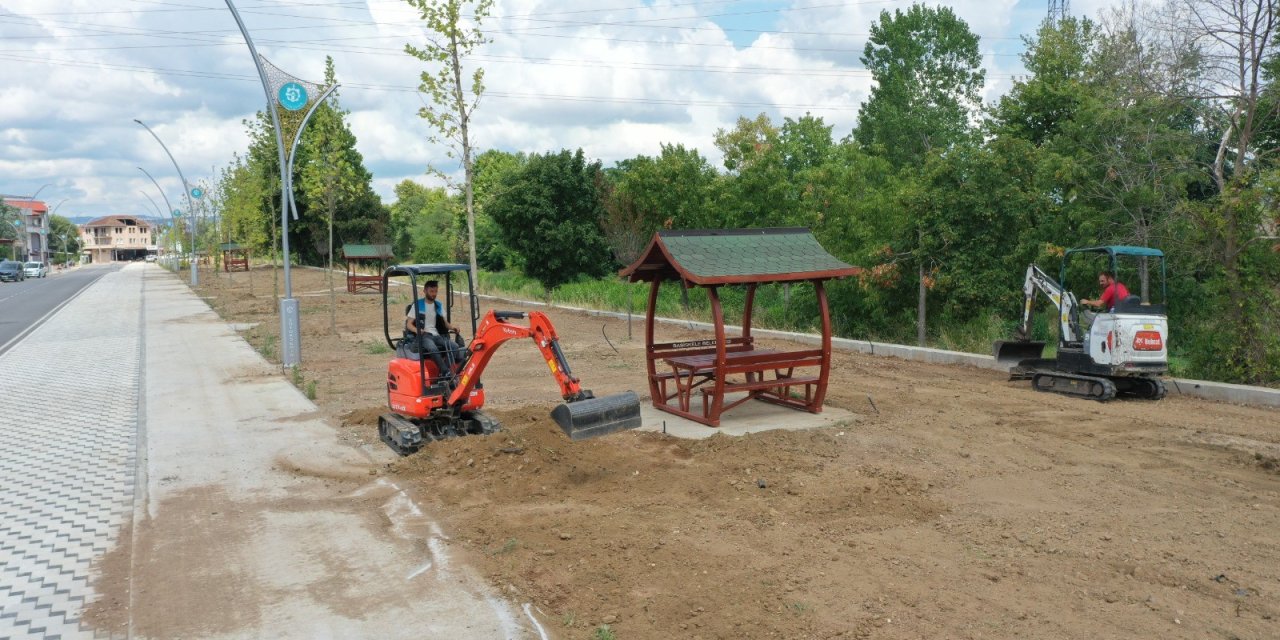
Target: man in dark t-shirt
[1113, 291]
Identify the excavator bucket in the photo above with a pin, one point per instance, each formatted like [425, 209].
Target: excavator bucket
[593, 417]
[1011, 352]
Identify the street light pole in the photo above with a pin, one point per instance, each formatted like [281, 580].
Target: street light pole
[194, 277]
[33, 196]
[159, 216]
[290, 324]
[186, 192]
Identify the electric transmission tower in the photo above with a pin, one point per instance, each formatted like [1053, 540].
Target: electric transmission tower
[1058, 10]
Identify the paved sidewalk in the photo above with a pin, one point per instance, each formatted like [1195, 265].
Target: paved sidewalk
[204, 491]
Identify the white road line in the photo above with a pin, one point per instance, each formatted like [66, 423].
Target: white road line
[541, 632]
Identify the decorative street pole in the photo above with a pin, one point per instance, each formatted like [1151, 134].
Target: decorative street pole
[186, 192]
[171, 210]
[297, 137]
[159, 216]
[292, 94]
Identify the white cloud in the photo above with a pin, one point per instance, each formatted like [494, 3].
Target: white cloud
[563, 74]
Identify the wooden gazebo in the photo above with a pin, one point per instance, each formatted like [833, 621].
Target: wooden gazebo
[234, 257]
[690, 379]
[357, 255]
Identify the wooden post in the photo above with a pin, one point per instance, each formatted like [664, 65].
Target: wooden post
[825, 369]
[654, 394]
[717, 315]
[747, 308]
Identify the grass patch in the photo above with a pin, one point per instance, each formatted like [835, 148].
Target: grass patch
[377, 348]
[603, 632]
[507, 547]
[311, 390]
[268, 347]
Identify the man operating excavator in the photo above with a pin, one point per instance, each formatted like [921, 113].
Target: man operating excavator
[1113, 291]
[428, 324]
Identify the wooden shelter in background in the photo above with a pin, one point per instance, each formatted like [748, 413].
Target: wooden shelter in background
[234, 257]
[368, 256]
[691, 378]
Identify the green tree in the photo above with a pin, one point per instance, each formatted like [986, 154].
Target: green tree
[550, 215]
[422, 219]
[756, 192]
[928, 73]
[9, 215]
[494, 171]
[454, 37]
[1058, 58]
[64, 236]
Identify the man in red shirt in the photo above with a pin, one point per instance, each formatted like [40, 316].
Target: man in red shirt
[1112, 292]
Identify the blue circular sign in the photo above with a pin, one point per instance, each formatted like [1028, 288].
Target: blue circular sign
[177, 213]
[293, 96]
[196, 192]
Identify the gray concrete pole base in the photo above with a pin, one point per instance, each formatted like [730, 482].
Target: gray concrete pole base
[290, 333]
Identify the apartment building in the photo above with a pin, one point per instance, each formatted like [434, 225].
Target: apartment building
[117, 239]
[33, 230]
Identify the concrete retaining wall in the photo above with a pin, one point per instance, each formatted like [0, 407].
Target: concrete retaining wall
[1219, 391]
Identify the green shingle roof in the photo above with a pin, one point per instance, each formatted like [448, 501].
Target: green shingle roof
[728, 256]
[369, 251]
[230, 246]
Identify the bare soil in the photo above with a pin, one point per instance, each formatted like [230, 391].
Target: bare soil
[958, 505]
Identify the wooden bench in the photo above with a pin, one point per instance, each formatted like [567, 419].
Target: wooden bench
[358, 283]
[695, 371]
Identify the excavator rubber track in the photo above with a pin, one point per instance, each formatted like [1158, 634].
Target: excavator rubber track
[406, 436]
[1143, 388]
[1074, 385]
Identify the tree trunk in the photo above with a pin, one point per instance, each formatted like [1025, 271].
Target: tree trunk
[333, 299]
[921, 309]
[464, 122]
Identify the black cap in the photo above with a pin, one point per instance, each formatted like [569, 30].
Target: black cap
[430, 283]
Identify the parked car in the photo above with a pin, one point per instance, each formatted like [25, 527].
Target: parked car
[36, 270]
[12, 271]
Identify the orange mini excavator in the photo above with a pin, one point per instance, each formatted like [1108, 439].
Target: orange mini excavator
[429, 404]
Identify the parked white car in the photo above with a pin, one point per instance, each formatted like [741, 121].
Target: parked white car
[36, 270]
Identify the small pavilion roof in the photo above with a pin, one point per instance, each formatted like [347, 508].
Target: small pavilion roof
[736, 256]
[230, 246]
[367, 251]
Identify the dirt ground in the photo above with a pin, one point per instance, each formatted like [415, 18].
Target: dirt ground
[956, 505]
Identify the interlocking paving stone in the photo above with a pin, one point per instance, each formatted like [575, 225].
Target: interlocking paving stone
[68, 456]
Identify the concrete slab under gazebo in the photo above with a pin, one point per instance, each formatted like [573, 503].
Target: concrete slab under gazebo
[357, 255]
[691, 379]
[234, 257]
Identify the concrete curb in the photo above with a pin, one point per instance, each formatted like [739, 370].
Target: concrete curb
[1218, 391]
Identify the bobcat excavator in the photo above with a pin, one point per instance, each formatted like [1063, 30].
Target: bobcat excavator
[1124, 351]
[428, 404]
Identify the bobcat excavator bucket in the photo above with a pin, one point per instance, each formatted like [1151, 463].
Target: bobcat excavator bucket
[1011, 352]
[591, 417]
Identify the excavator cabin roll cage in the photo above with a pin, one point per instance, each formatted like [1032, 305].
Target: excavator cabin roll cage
[424, 272]
[1068, 308]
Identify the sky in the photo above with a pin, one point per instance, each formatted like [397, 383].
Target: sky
[617, 78]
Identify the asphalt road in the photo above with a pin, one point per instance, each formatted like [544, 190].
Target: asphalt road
[24, 305]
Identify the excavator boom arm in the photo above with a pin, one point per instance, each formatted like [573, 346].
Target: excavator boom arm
[496, 329]
[1063, 300]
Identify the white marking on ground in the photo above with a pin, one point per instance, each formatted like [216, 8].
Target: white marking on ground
[541, 632]
[417, 572]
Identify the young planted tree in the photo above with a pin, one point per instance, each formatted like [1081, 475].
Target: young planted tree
[452, 38]
[332, 174]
